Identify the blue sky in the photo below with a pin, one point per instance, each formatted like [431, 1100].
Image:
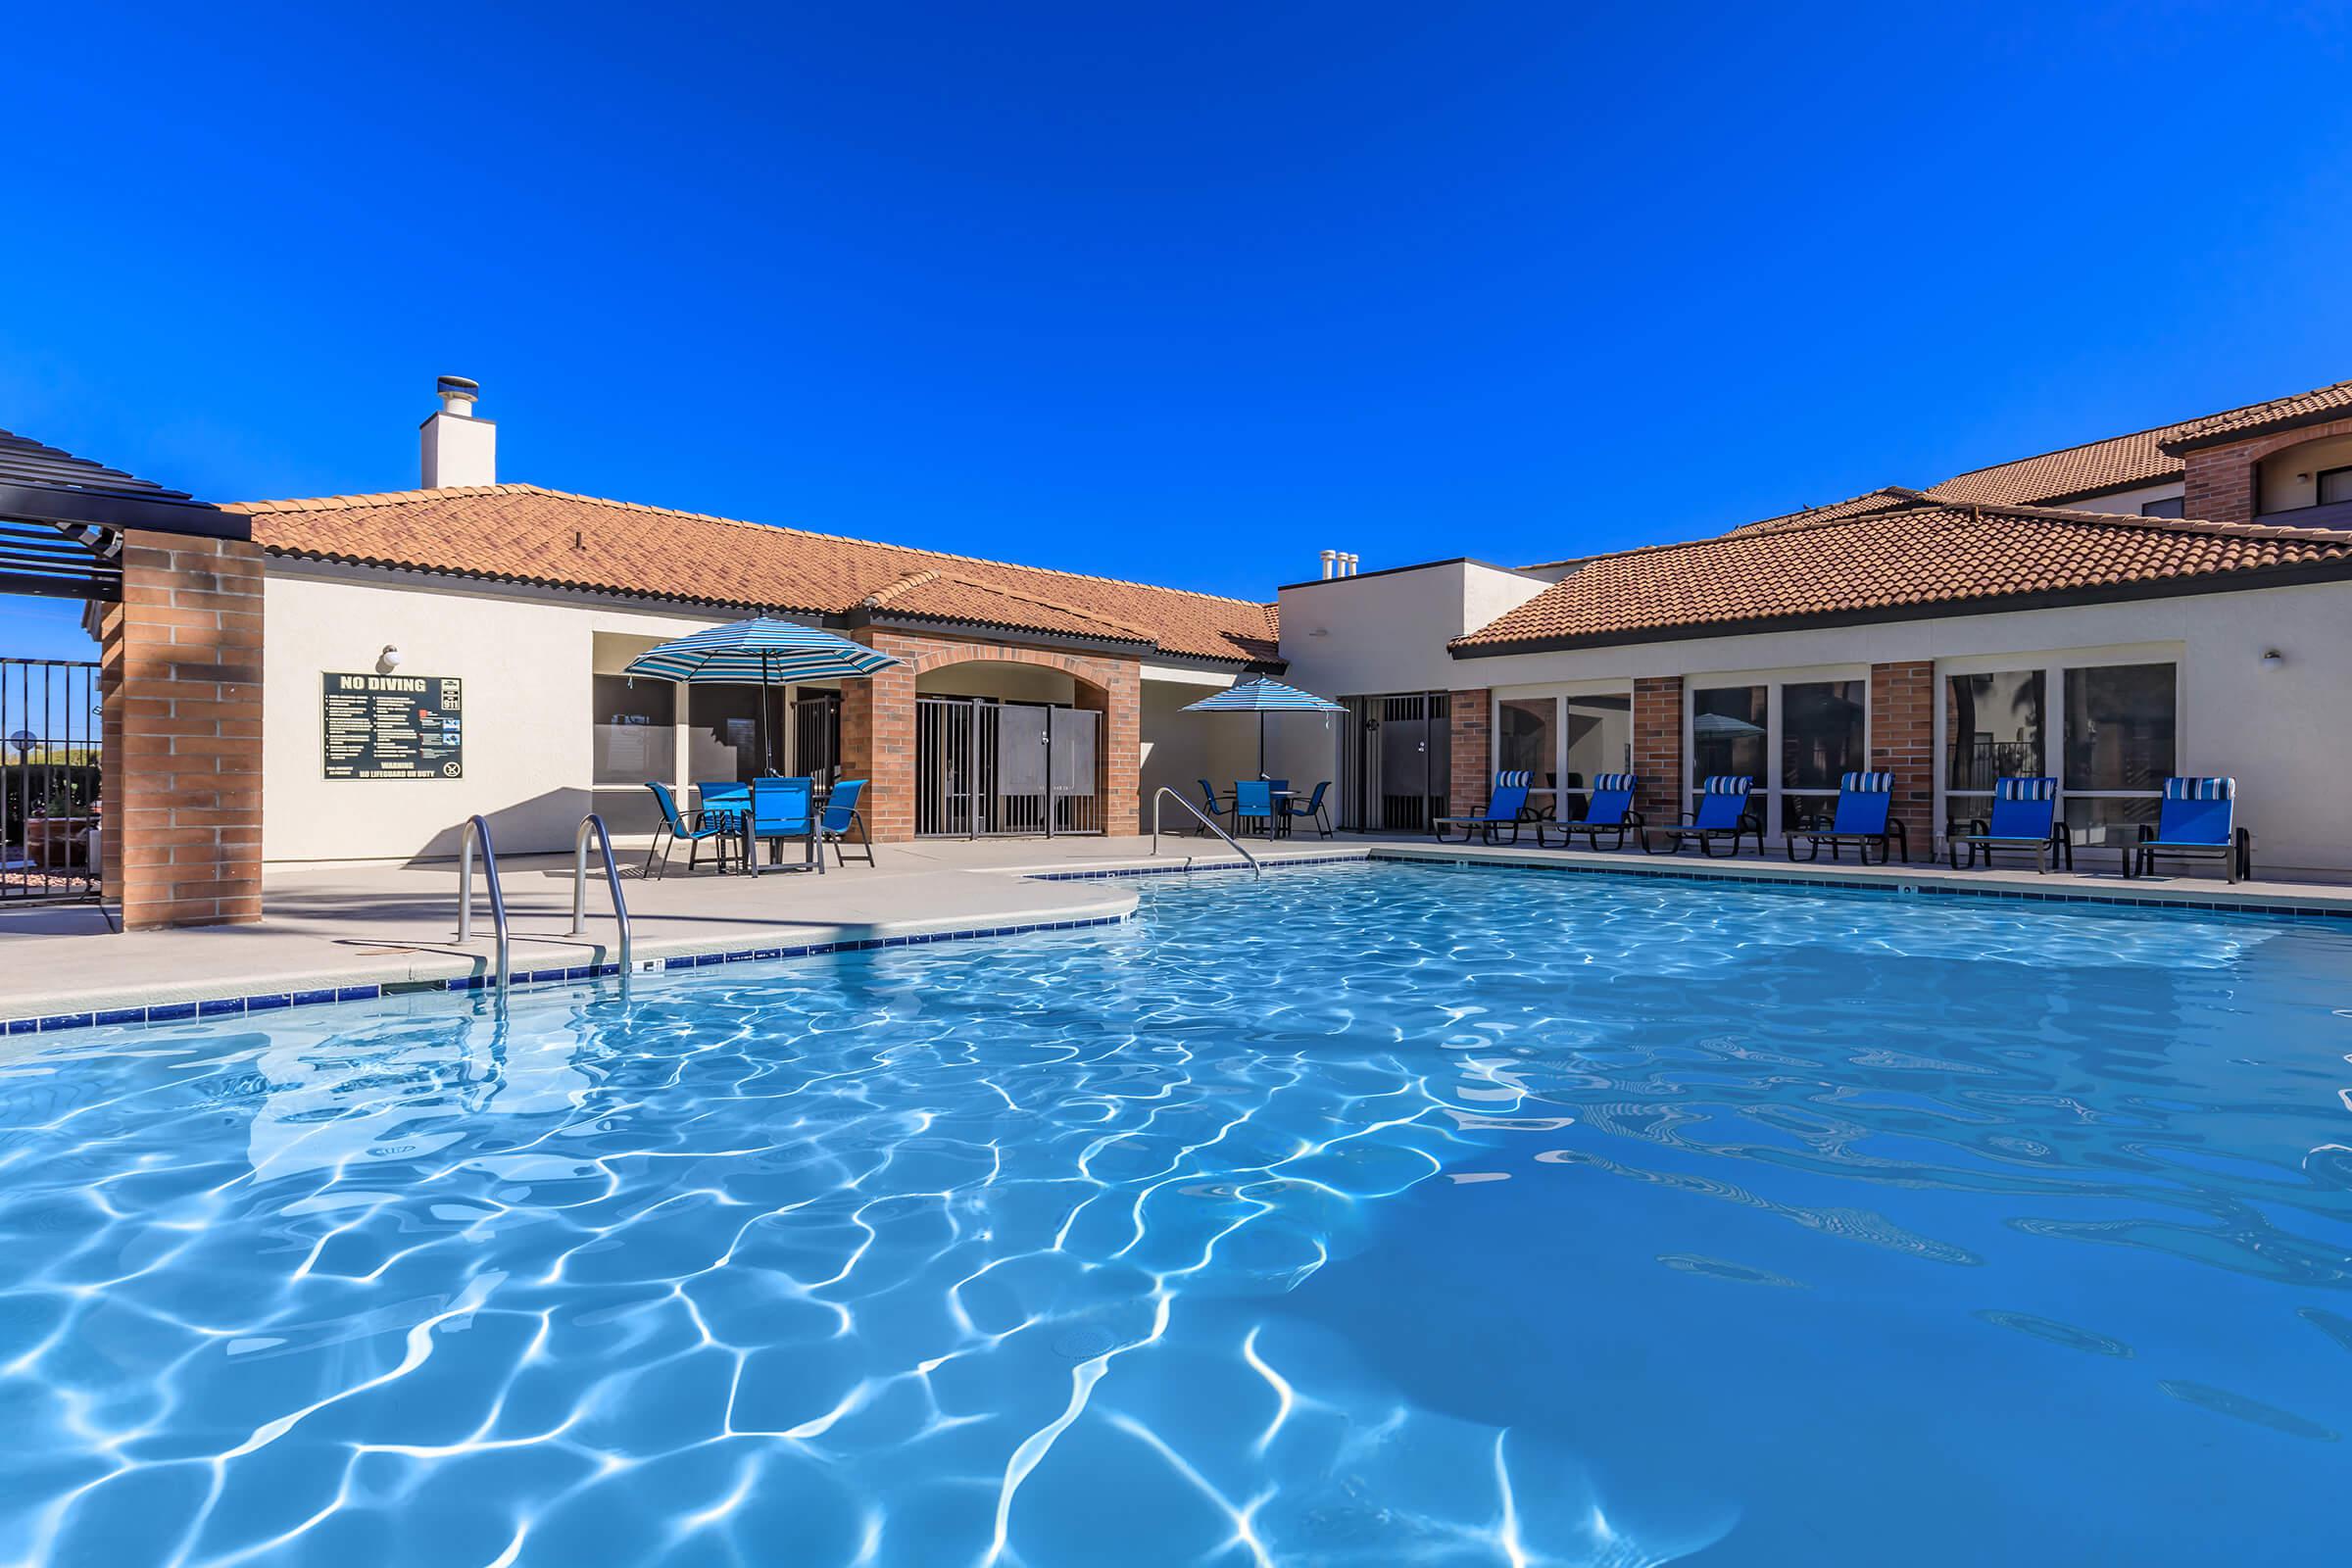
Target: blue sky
[1182, 292]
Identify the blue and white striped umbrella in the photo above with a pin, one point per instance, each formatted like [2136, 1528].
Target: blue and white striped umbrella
[759, 653]
[1262, 696]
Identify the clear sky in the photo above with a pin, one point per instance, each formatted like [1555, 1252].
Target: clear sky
[1181, 292]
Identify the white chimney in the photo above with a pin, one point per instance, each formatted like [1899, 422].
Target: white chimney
[459, 449]
[1329, 556]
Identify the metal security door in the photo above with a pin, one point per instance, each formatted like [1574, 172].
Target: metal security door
[984, 768]
[1073, 734]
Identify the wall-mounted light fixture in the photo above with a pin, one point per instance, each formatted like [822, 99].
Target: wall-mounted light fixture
[389, 661]
[2272, 659]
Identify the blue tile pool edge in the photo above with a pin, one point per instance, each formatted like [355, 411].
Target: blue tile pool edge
[164, 1012]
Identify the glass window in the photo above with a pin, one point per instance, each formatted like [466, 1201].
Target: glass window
[724, 736]
[2334, 485]
[1820, 733]
[1523, 738]
[2118, 727]
[1726, 734]
[1993, 728]
[635, 739]
[2162, 509]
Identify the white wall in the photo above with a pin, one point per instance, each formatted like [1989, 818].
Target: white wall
[2285, 734]
[2127, 501]
[1360, 636]
[526, 659]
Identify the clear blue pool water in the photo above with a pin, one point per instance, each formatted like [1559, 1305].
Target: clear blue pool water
[1369, 1215]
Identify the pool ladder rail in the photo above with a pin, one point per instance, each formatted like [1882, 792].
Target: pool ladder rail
[477, 829]
[1165, 793]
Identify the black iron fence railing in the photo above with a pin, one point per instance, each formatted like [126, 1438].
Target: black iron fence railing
[52, 838]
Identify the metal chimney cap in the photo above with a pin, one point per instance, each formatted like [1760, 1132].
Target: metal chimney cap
[456, 386]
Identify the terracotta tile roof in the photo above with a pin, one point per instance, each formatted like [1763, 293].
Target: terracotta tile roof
[1881, 500]
[523, 533]
[2304, 408]
[2115, 463]
[1890, 561]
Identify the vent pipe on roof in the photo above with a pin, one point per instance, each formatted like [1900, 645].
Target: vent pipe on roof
[1347, 563]
[1329, 557]
[458, 448]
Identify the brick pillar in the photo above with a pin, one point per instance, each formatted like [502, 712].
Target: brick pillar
[2219, 483]
[1471, 747]
[877, 741]
[182, 672]
[1120, 749]
[1902, 741]
[1658, 748]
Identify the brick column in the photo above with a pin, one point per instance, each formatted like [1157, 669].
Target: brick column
[2217, 484]
[1470, 745]
[1120, 759]
[1658, 748]
[181, 674]
[1903, 742]
[877, 738]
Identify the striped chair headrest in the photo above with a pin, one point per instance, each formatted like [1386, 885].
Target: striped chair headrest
[1514, 778]
[1614, 781]
[1730, 784]
[2200, 789]
[2027, 789]
[1867, 783]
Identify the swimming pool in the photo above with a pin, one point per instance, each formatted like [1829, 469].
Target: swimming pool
[1360, 1216]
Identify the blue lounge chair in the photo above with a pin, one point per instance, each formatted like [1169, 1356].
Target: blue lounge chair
[1610, 809]
[841, 815]
[1310, 808]
[2196, 822]
[693, 829]
[1865, 816]
[2025, 816]
[1722, 814]
[1507, 806]
[782, 808]
[1253, 802]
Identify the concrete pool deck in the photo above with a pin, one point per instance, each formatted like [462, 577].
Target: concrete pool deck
[376, 926]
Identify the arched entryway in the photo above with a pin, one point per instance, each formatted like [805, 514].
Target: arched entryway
[1006, 746]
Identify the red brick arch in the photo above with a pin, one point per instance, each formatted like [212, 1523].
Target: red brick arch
[877, 721]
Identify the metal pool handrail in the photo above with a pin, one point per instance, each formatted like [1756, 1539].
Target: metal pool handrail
[1165, 793]
[579, 883]
[477, 828]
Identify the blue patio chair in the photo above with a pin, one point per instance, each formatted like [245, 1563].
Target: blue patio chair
[723, 797]
[1253, 802]
[1507, 806]
[2197, 821]
[1722, 814]
[782, 808]
[841, 815]
[1865, 816]
[1211, 803]
[1312, 809]
[693, 829]
[2025, 816]
[1609, 810]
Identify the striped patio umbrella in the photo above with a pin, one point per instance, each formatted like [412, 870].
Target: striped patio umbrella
[760, 653]
[1262, 697]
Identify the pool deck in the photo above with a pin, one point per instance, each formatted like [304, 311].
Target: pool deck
[358, 930]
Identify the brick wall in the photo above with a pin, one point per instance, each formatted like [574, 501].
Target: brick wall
[2220, 484]
[1902, 741]
[878, 723]
[1658, 748]
[180, 671]
[1471, 747]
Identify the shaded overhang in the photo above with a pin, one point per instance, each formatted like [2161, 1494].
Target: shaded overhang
[62, 517]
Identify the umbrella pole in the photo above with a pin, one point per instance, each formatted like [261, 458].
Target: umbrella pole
[765, 766]
[1261, 743]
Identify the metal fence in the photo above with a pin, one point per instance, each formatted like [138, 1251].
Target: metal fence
[50, 737]
[987, 769]
[1396, 767]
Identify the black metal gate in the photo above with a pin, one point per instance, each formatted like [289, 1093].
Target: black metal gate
[50, 736]
[1397, 767]
[984, 768]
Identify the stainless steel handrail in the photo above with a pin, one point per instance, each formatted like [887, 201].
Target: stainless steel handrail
[579, 883]
[477, 828]
[1166, 793]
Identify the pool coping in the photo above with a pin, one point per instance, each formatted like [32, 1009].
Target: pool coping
[461, 973]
